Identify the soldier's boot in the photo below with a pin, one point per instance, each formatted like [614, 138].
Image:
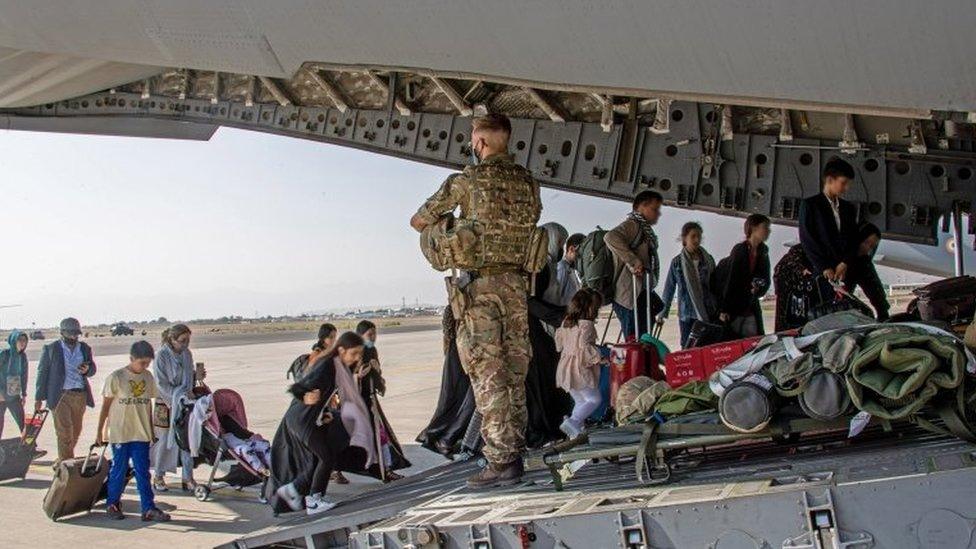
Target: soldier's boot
[498, 475]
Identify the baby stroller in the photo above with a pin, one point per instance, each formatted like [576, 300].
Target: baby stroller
[213, 449]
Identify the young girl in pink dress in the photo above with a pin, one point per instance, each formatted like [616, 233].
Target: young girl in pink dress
[580, 358]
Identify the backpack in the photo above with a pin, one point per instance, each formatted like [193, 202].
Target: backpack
[595, 265]
[720, 277]
[298, 368]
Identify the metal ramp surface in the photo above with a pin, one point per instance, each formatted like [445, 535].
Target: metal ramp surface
[438, 498]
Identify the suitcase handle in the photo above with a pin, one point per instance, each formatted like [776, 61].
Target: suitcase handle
[647, 294]
[29, 434]
[101, 459]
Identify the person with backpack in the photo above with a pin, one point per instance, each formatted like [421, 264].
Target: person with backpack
[633, 245]
[689, 278]
[13, 379]
[303, 364]
[742, 278]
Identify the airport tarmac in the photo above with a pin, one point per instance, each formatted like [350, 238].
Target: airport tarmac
[412, 363]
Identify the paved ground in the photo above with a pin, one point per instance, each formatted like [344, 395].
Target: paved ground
[103, 346]
[255, 367]
[412, 363]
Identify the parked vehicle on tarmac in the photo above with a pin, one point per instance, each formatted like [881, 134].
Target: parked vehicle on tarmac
[121, 329]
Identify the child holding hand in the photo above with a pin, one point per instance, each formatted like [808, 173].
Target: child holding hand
[580, 359]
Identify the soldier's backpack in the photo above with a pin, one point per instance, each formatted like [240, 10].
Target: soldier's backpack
[595, 265]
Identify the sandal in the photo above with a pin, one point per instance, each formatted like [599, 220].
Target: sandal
[159, 485]
[393, 476]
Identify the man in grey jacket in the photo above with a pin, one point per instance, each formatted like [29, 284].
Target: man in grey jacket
[634, 244]
[62, 381]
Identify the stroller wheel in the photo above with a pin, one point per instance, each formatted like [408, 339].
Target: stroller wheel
[202, 493]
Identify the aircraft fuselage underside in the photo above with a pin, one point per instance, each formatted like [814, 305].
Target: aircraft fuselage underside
[730, 159]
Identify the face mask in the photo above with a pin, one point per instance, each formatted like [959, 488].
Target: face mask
[370, 344]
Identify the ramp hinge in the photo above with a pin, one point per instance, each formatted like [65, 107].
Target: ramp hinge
[823, 531]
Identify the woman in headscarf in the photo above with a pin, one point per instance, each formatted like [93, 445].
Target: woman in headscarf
[175, 378]
[558, 234]
[861, 273]
[303, 364]
[546, 404]
[455, 404]
[329, 419]
[798, 290]
[746, 280]
[688, 278]
[372, 386]
[13, 379]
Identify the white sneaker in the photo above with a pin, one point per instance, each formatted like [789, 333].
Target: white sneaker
[289, 494]
[569, 427]
[315, 503]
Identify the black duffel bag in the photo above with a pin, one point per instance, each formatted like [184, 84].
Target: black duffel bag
[951, 300]
[706, 333]
[832, 300]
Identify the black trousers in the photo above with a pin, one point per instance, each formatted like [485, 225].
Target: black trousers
[315, 480]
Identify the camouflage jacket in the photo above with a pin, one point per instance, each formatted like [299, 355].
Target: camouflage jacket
[502, 202]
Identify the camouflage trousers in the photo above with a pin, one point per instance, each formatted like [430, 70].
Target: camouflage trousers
[493, 343]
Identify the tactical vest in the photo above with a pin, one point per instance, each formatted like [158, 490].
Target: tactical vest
[502, 211]
[497, 228]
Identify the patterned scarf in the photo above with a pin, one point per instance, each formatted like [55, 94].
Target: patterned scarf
[694, 283]
[648, 233]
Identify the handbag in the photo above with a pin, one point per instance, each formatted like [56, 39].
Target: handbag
[330, 411]
[842, 300]
[161, 415]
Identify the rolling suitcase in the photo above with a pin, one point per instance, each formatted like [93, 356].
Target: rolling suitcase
[16, 454]
[77, 484]
[633, 358]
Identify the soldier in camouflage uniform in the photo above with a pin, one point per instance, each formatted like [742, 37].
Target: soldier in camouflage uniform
[500, 200]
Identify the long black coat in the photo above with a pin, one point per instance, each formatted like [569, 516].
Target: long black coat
[736, 296]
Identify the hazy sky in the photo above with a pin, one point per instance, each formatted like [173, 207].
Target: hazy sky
[107, 228]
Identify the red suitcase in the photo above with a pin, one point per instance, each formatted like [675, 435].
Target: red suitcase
[16, 454]
[632, 358]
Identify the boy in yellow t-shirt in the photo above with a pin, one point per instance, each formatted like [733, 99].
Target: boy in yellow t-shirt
[127, 408]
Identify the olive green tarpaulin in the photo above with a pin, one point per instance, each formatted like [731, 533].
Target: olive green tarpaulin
[694, 396]
[898, 370]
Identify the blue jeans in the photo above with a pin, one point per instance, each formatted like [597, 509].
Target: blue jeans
[626, 318]
[685, 327]
[138, 453]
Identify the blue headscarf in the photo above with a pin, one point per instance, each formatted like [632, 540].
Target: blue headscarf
[16, 362]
